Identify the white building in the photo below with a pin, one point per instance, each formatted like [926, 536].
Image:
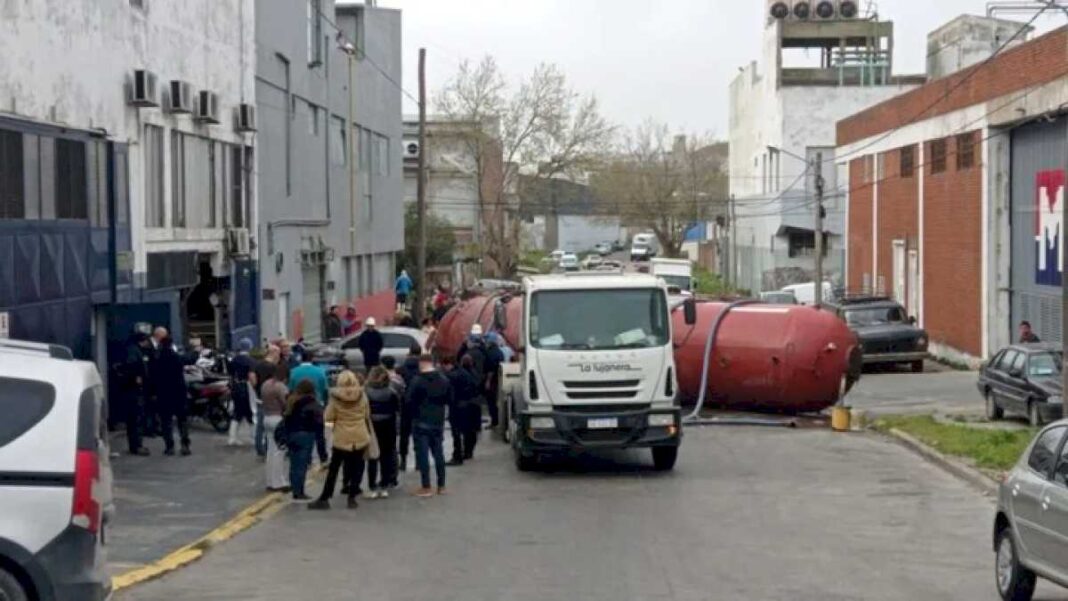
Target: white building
[126, 113]
[814, 71]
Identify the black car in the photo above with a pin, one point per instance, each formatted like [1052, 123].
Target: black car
[887, 334]
[1024, 379]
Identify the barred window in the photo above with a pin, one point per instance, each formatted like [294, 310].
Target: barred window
[938, 156]
[908, 161]
[965, 151]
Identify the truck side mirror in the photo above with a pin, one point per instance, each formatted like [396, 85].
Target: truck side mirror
[689, 311]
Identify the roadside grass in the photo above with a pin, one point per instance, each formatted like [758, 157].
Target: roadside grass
[708, 283]
[989, 448]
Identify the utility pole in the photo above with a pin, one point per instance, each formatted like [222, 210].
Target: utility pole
[818, 171]
[1064, 278]
[733, 262]
[420, 265]
[354, 133]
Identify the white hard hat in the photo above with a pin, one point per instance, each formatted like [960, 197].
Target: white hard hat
[370, 322]
[476, 330]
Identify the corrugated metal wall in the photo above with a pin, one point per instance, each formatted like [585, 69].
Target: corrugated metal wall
[1038, 162]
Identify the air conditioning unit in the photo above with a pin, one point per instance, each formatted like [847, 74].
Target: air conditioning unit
[848, 9]
[181, 97]
[143, 89]
[825, 9]
[778, 10]
[801, 10]
[245, 117]
[411, 149]
[207, 107]
[238, 241]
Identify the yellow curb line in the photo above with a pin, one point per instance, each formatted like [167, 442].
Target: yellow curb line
[246, 518]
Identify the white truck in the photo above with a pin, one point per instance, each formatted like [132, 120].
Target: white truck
[597, 369]
[643, 247]
[678, 273]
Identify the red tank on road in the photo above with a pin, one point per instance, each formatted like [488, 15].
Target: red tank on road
[785, 358]
[765, 357]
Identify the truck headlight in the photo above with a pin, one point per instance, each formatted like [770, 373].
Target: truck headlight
[921, 342]
[542, 423]
[661, 420]
[1055, 399]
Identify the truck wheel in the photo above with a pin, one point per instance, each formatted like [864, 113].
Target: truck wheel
[1015, 582]
[1034, 417]
[993, 411]
[917, 367]
[664, 458]
[10, 587]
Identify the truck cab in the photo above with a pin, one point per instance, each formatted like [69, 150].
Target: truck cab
[598, 368]
[677, 273]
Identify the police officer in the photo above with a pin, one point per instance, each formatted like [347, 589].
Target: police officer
[134, 377]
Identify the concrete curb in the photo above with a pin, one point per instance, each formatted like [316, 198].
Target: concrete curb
[245, 519]
[954, 466]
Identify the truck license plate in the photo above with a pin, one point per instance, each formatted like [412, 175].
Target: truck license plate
[603, 423]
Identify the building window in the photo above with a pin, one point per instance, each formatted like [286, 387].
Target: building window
[213, 183]
[338, 147]
[197, 182]
[908, 161]
[72, 185]
[313, 119]
[802, 243]
[383, 155]
[98, 184]
[965, 151]
[12, 181]
[153, 144]
[241, 161]
[938, 156]
[315, 33]
[177, 179]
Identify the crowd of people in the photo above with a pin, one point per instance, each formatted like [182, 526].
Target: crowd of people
[367, 422]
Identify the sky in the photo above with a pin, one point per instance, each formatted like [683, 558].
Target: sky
[671, 60]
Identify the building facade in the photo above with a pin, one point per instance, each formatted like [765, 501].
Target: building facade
[955, 195]
[127, 171]
[330, 180]
[782, 115]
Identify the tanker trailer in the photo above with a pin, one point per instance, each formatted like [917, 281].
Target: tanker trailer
[778, 358]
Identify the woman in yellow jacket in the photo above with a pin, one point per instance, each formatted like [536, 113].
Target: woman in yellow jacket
[350, 412]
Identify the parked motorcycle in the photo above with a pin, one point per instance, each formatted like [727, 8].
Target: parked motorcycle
[208, 392]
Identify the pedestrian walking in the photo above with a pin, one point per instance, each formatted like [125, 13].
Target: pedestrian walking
[168, 381]
[408, 372]
[273, 393]
[134, 377]
[263, 371]
[466, 417]
[371, 343]
[350, 413]
[403, 287]
[429, 398]
[304, 432]
[492, 375]
[385, 410]
[241, 368]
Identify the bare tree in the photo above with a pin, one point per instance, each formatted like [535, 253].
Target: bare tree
[662, 183]
[540, 128]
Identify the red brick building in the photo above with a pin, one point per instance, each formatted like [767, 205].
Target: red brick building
[953, 198]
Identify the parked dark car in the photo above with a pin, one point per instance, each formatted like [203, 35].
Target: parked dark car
[1024, 379]
[887, 334]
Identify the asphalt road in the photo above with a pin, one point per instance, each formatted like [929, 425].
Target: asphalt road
[901, 392]
[749, 513]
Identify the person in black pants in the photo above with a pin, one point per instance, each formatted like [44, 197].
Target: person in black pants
[408, 371]
[385, 408]
[168, 380]
[492, 375]
[466, 417]
[135, 380]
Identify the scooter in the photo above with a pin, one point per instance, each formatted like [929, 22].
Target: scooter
[208, 393]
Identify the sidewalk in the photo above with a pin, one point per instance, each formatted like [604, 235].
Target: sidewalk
[164, 502]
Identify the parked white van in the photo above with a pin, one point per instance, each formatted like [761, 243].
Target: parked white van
[806, 293]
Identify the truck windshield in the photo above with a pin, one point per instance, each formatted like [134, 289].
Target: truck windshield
[874, 316]
[598, 319]
[682, 282]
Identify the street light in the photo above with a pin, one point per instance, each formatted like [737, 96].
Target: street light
[349, 49]
[816, 165]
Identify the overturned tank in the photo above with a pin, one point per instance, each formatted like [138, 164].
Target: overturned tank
[775, 358]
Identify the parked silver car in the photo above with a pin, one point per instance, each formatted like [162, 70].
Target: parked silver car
[397, 340]
[1031, 526]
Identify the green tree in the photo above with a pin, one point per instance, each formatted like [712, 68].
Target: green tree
[440, 241]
